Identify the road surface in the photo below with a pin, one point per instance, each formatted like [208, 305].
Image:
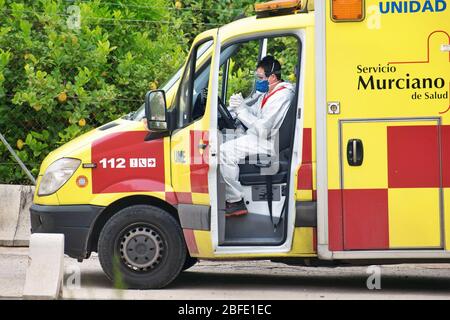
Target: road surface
[242, 280]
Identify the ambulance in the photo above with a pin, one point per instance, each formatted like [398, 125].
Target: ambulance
[362, 173]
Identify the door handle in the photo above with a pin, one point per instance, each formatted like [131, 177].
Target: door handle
[355, 152]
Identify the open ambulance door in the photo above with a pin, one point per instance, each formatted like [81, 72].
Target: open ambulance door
[255, 232]
[191, 148]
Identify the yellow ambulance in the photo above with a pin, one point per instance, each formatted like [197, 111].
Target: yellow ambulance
[362, 173]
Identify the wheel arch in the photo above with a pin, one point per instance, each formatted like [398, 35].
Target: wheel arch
[120, 204]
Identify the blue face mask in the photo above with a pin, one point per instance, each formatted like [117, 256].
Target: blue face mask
[262, 85]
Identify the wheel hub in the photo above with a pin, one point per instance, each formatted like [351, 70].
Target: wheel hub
[141, 248]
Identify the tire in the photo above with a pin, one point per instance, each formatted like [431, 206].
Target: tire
[190, 262]
[142, 247]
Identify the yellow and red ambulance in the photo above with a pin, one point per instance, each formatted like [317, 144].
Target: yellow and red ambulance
[363, 172]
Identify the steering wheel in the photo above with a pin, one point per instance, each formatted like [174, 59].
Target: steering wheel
[226, 115]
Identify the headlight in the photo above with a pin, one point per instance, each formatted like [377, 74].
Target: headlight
[57, 174]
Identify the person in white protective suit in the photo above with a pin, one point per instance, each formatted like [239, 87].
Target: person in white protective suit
[262, 113]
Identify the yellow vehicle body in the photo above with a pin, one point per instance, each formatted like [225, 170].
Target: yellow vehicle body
[391, 76]
[374, 139]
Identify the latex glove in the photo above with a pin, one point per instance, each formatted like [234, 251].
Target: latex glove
[236, 101]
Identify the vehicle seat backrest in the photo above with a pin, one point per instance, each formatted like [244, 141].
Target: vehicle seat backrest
[286, 128]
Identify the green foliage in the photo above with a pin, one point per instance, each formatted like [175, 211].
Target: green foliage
[240, 80]
[195, 16]
[58, 81]
[69, 66]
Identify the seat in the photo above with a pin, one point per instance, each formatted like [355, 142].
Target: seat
[250, 174]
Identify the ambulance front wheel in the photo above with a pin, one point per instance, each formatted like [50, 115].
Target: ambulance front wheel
[142, 247]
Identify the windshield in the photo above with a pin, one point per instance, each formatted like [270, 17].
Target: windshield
[139, 114]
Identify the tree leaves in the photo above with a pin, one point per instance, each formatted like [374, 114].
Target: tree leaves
[64, 80]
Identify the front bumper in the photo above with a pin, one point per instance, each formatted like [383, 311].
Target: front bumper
[75, 222]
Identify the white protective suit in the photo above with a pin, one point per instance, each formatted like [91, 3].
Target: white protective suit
[263, 121]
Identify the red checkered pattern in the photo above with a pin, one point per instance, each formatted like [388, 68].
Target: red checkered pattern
[359, 219]
[305, 172]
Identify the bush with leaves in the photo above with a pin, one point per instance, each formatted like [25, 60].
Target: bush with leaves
[59, 79]
[195, 16]
[69, 66]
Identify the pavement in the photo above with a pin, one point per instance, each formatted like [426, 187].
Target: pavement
[241, 280]
[13, 268]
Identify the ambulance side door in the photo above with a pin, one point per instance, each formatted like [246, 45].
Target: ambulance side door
[190, 142]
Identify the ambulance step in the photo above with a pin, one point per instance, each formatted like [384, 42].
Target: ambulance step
[252, 229]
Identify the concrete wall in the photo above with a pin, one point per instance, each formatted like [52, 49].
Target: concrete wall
[15, 202]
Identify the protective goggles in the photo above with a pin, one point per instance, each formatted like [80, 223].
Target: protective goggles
[262, 76]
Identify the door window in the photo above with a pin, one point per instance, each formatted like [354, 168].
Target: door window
[191, 99]
[238, 65]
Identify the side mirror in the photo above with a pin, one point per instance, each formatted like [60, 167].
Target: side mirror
[156, 110]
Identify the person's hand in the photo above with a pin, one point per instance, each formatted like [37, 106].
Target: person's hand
[236, 101]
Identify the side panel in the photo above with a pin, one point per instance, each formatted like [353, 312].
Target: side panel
[190, 164]
[128, 163]
[305, 183]
[393, 66]
[306, 172]
[392, 200]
